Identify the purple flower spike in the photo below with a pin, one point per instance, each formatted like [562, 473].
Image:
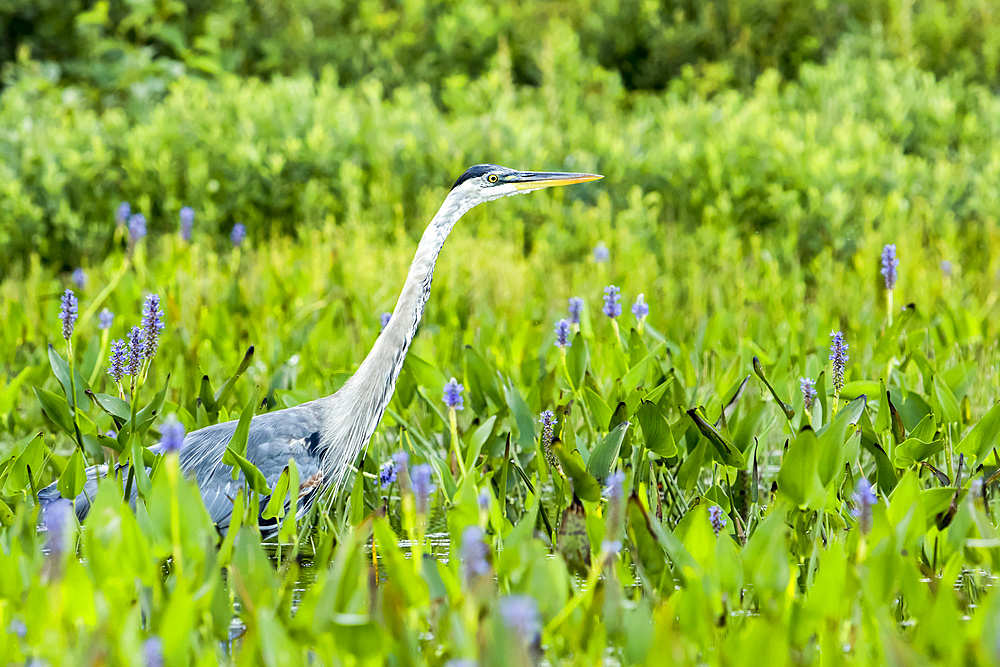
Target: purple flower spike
[122, 213]
[640, 308]
[238, 234]
[839, 357]
[615, 485]
[575, 309]
[889, 265]
[453, 395]
[718, 518]
[562, 334]
[135, 351]
[68, 313]
[118, 361]
[187, 222]
[152, 325]
[864, 499]
[152, 652]
[808, 387]
[172, 435]
[520, 614]
[79, 278]
[387, 475]
[105, 319]
[137, 226]
[601, 253]
[423, 487]
[612, 302]
[475, 554]
[384, 320]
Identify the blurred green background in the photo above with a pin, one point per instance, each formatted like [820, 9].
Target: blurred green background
[803, 117]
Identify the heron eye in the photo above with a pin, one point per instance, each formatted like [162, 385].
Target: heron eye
[492, 178]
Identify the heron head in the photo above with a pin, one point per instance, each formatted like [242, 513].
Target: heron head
[486, 182]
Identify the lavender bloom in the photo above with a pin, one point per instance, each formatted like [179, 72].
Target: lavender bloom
[640, 309]
[864, 499]
[611, 546]
[137, 226]
[520, 614]
[105, 319]
[889, 265]
[152, 651]
[839, 357]
[575, 309]
[601, 253]
[119, 358]
[133, 362]
[808, 387]
[484, 499]
[122, 214]
[548, 420]
[612, 302]
[946, 268]
[238, 234]
[187, 222]
[172, 435]
[68, 313]
[718, 519]
[474, 553]
[615, 487]
[400, 460]
[453, 395]
[387, 474]
[562, 334]
[384, 320]
[152, 325]
[79, 278]
[423, 487]
[17, 627]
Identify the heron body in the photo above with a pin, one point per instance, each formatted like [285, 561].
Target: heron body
[327, 435]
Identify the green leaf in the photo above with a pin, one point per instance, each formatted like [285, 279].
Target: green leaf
[207, 396]
[56, 409]
[71, 482]
[238, 443]
[584, 484]
[834, 436]
[603, 457]
[255, 478]
[637, 373]
[61, 369]
[139, 464]
[288, 528]
[30, 454]
[112, 405]
[599, 410]
[785, 407]
[577, 361]
[522, 417]
[477, 440]
[913, 451]
[984, 436]
[275, 508]
[482, 383]
[655, 430]
[227, 387]
[944, 403]
[798, 478]
[358, 500]
[728, 453]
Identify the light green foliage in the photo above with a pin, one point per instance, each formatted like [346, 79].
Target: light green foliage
[751, 217]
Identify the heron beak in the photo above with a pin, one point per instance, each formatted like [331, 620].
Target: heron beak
[536, 180]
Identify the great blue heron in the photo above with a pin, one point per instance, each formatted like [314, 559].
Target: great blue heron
[326, 436]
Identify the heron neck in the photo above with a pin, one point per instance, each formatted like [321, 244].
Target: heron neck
[360, 403]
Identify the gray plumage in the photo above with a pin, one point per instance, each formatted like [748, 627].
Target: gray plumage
[326, 436]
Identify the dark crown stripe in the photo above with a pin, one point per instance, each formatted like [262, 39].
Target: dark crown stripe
[474, 172]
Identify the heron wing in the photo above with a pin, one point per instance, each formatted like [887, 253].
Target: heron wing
[292, 433]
